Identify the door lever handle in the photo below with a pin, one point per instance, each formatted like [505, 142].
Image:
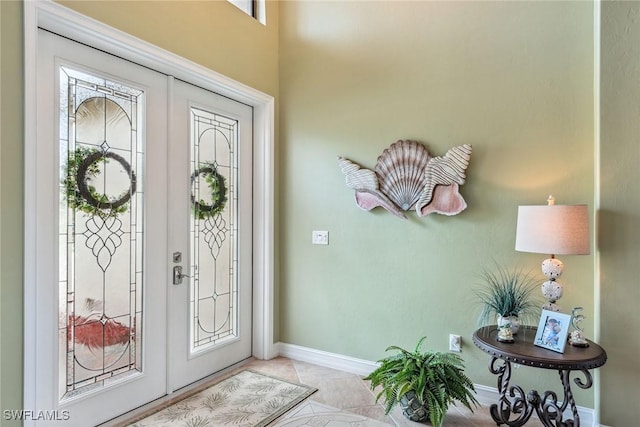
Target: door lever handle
[177, 275]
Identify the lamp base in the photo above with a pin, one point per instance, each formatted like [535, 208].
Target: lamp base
[551, 306]
[552, 268]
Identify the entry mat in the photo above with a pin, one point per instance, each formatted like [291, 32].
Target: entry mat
[246, 399]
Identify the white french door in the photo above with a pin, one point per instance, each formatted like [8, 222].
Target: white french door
[213, 236]
[143, 233]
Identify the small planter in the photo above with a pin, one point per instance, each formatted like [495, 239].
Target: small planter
[412, 409]
[512, 321]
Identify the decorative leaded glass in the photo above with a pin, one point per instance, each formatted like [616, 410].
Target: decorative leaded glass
[214, 284]
[100, 232]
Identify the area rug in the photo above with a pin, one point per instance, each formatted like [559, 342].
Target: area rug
[246, 399]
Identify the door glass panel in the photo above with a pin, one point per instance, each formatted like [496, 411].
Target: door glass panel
[214, 287]
[100, 232]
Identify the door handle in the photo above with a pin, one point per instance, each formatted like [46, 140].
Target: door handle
[177, 275]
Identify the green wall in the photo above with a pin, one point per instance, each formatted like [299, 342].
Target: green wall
[514, 79]
[11, 201]
[619, 213]
[214, 34]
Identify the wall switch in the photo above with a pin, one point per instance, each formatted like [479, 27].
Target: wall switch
[320, 237]
[455, 342]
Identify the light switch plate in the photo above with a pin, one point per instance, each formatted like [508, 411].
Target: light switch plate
[455, 342]
[320, 237]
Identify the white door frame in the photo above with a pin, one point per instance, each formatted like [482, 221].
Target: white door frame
[63, 21]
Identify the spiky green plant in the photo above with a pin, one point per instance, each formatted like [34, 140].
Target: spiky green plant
[507, 292]
[437, 379]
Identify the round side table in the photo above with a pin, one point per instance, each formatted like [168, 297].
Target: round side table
[514, 407]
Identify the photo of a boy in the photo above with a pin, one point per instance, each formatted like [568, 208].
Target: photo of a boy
[552, 330]
[551, 333]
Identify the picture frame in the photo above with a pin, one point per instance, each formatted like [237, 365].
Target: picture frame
[553, 329]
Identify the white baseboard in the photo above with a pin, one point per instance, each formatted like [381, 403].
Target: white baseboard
[364, 367]
[326, 359]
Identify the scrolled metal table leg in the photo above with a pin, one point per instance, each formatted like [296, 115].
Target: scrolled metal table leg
[516, 404]
[548, 410]
[587, 376]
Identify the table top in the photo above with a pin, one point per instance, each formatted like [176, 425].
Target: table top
[524, 352]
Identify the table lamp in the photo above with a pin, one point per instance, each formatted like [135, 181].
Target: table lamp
[555, 230]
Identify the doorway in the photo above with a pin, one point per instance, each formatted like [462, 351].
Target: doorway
[146, 166]
[144, 198]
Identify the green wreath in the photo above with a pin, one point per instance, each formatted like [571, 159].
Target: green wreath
[218, 187]
[83, 165]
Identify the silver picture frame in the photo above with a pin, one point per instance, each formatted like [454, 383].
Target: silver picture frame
[553, 329]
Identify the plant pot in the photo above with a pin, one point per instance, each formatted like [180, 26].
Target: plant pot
[413, 409]
[513, 321]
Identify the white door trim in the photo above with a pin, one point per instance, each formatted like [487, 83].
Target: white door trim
[63, 21]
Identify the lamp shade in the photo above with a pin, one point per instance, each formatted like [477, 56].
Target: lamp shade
[553, 229]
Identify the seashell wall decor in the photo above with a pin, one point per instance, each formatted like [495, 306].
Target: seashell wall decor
[407, 177]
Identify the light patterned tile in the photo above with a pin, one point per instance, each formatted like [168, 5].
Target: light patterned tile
[314, 414]
[279, 367]
[375, 412]
[342, 393]
[308, 370]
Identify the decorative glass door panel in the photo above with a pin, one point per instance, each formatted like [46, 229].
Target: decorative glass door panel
[100, 232]
[214, 287]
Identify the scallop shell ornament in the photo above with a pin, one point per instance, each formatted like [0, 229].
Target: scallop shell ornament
[401, 172]
[407, 177]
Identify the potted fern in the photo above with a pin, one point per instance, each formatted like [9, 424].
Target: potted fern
[422, 383]
[507, 294]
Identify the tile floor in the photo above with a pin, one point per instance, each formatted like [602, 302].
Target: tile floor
[344, 399]
[351, 395]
